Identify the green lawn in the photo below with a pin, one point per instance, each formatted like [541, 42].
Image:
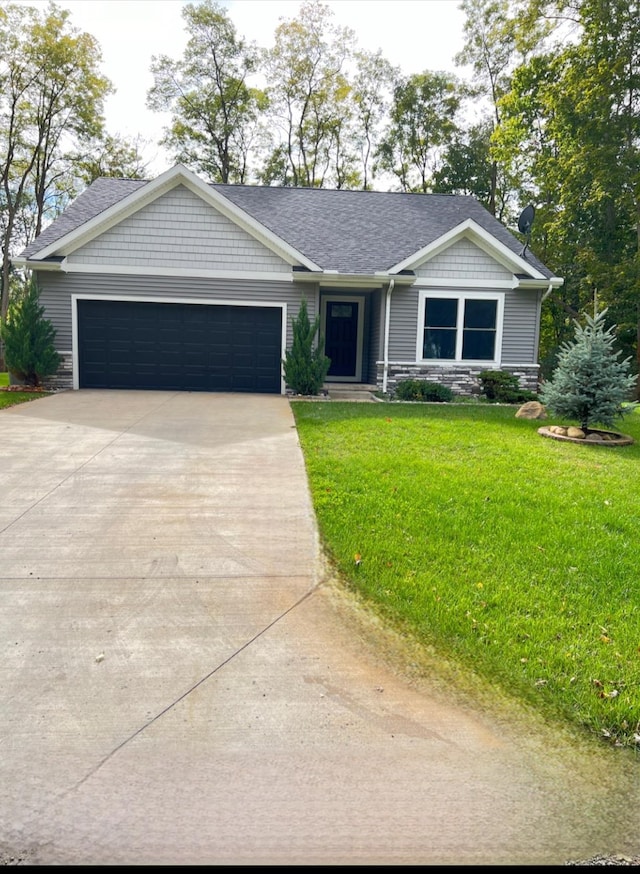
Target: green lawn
[11, 398]
[511, 556]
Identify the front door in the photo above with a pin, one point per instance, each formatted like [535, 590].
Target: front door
[343, 337]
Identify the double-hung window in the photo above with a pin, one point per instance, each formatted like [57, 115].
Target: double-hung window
[463, 326]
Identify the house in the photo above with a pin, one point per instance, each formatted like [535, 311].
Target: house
[179, 284]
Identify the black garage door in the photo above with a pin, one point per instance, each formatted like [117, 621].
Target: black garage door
[188, 347]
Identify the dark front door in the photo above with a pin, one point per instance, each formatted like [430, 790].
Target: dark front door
[341, 337]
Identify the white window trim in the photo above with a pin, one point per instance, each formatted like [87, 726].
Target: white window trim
[425, 293]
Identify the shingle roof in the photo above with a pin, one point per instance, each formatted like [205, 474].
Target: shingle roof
[349, 231]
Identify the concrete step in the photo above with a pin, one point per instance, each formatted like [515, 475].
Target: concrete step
[345, 391]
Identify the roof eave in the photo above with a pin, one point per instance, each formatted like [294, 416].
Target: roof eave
[338, 279]
[39, 264]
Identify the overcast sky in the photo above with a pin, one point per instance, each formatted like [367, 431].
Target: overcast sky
[415, 35]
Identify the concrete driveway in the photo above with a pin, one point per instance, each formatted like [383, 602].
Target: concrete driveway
[181, 685]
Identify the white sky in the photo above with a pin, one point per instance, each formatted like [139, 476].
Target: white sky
[415, 35]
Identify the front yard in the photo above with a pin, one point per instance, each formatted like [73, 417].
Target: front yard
[511, 556]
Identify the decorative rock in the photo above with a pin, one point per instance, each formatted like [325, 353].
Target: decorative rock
[595, 436]
[531, 410]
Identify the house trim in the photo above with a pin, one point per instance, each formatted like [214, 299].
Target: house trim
[125, 270]
[426, 293]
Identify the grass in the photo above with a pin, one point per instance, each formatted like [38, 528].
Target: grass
[510, 555]
[11, 398]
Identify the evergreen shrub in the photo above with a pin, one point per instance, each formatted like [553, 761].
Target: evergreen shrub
[305, 365]
[28, 338]
[503, 387]
[590, 382]
[422, 390]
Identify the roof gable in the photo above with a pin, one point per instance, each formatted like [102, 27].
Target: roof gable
[145, 193]
[470, 230]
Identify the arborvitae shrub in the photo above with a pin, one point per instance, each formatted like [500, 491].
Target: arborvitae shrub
[28, 338]
[305, 365]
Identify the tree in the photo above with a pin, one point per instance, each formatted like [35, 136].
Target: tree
[51, 99]
[466, 168]
[29, 339]
[113, 156]
[214, 108]
[496, 42]
[305, 365]
[309, 102]
[570, 128]
[371, 93]
[591, 383]
[423, 123]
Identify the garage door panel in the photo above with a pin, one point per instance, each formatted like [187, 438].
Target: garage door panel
[190, 347]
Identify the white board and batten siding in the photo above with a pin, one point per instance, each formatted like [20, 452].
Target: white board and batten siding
[463, 267]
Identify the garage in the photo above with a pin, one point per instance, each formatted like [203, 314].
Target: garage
[179, 346]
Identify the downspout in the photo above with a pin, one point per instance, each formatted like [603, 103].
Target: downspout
[387, 312]
[547, 292]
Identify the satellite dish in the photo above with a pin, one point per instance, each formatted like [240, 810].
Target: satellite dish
[524, 224]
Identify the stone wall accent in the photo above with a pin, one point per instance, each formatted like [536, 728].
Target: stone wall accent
[63, 378]
[461, 380]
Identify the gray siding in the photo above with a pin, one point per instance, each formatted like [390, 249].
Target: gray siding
[179, 230]
[463, 260]
[376, 336]
[56, 290]
[519, 337]
[521, 319]
[403, 324]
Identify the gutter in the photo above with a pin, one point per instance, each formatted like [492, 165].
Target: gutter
[387, 312]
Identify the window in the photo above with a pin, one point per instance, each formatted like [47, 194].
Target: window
[462, 327]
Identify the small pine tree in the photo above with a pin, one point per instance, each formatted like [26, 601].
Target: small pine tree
[590, 383]
[305, 365]
[28, 339]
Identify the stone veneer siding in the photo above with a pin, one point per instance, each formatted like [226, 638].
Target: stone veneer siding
[461, 380]
[63, 378]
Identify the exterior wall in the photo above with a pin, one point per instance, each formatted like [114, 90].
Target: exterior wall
[179, 230]
[56, 290]
[463, 267]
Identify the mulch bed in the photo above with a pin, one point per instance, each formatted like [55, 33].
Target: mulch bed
[24, 388]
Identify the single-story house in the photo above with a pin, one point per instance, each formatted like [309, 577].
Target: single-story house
[179, 284]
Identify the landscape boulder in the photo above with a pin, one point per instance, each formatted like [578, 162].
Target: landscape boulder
[531, 410]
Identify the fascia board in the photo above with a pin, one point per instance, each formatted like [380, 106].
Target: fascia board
[30, 264]
[178, 175]
[483, 239]
[554, 282]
